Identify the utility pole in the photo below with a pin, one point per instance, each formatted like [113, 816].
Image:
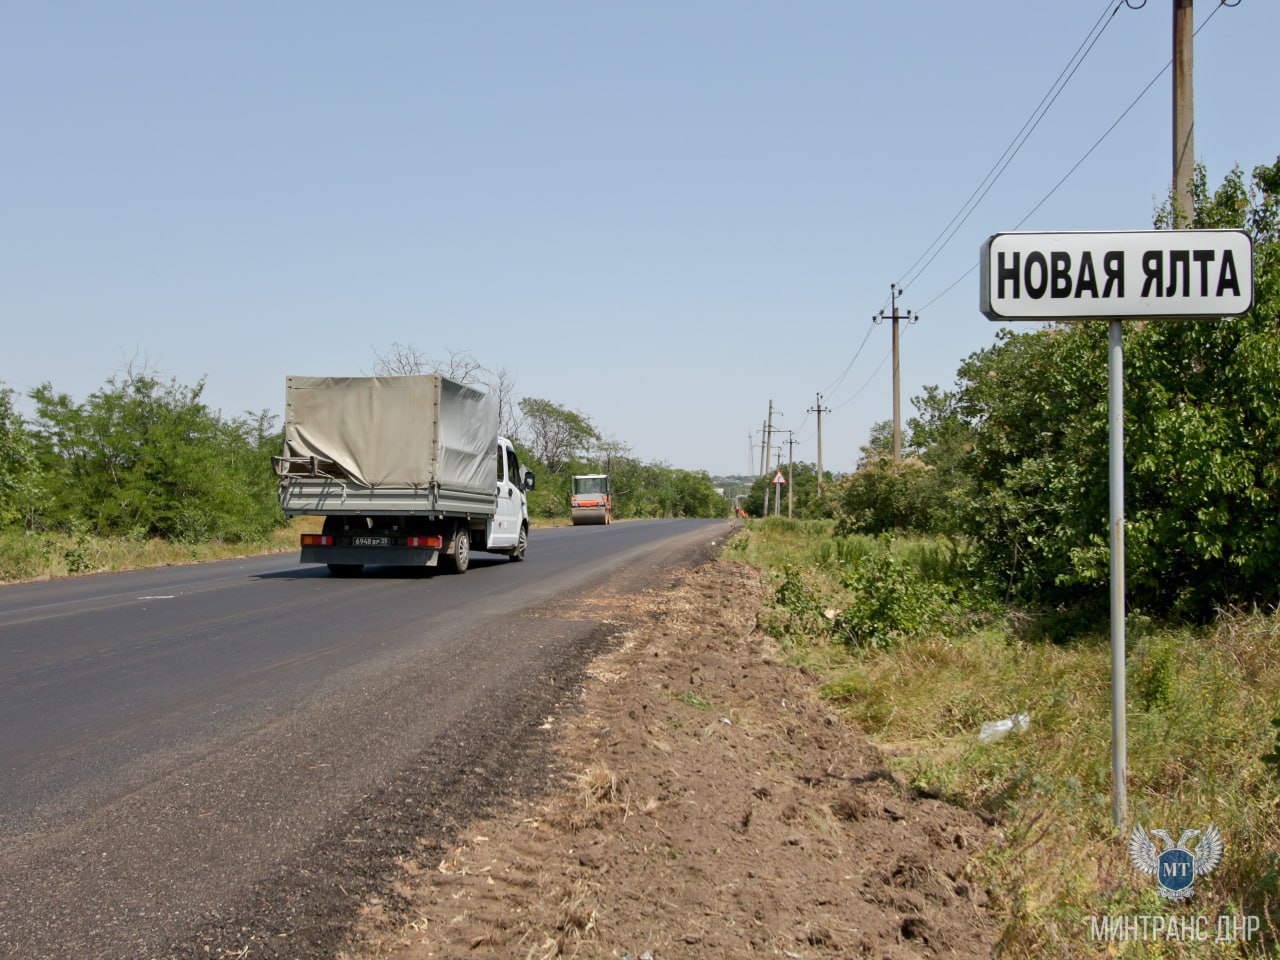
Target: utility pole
[791, 464]
[777, 494]
[819, 409]
[764, 465]
[1184, 128]
[768, 441]
[894, 292]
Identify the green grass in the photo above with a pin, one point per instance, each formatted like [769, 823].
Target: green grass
[38, 556]
[34, 556]
[1201, 702]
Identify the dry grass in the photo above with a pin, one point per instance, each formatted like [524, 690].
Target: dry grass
[599, 797]
[47, 556]
[1200, 707]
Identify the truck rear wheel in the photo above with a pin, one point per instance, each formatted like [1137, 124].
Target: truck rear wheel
[459, 558]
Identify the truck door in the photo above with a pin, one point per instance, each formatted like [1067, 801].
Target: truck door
[510, 514]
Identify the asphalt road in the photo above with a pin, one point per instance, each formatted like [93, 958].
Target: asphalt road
[200, 760]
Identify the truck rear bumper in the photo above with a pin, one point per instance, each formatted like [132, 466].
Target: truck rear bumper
[358, 556]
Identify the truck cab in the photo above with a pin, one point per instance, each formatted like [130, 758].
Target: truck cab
[508, 530]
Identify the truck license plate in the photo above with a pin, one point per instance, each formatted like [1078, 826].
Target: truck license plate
[371, 541]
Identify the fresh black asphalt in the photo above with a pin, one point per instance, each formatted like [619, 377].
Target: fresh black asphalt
[201, 759]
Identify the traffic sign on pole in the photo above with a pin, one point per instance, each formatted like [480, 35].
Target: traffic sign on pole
[1148, 275]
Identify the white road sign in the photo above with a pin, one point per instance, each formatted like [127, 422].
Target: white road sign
[1150, 273]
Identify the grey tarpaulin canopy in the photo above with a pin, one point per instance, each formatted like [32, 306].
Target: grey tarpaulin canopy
[395, 431]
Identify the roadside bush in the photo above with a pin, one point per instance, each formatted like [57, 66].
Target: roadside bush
[19, 481]
[144, 458]
[797, 614]
[881, 497]
[888, 600]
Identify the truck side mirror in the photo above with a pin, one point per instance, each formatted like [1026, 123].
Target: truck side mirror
[528, 480]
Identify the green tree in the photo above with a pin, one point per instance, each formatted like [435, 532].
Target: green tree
[879, 442]
[144, 458]
[1024, 434]
[555, 435]
[1036, 406]
[881, 496]
[807, 502]
[688, 493]
[917, 494]
[20, 488]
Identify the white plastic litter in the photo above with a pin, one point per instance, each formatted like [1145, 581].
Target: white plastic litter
[994, 730]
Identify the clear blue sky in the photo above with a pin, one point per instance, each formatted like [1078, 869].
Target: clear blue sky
[661, 214]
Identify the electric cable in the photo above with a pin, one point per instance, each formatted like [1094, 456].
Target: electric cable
[868, 382]
[829, 391]
[1019, 147]
[1014, 145]
[1133, 103]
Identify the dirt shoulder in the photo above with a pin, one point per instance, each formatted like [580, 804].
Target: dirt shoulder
[709, 806]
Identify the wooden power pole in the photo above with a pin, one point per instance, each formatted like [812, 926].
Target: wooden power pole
[894, 292]
[768, 440]
[791, 464]
[819, 409]
[1184, 127]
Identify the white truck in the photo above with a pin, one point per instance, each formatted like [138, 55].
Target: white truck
[404, 470]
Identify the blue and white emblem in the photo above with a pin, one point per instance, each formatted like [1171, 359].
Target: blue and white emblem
[1178, 865]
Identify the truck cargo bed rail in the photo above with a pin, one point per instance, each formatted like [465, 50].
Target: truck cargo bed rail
[321, 495]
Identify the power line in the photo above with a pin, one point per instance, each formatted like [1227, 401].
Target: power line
[1020, 141]
[1133, 103]
[1001, 164]
[864, 386]
[1032, 121]
[951, 287]
[997, 169]
[840, 379]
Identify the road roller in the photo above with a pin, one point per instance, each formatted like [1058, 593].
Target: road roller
[590, 500]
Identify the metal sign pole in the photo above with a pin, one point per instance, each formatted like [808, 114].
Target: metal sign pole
[1081, 276]
[1115, 416]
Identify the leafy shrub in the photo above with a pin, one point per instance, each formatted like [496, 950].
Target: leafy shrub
[797, 612]
[889, 600]
[1151, 684]
[142, 457]
[882, 496]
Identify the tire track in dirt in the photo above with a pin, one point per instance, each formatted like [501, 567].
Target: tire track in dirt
[708, 805]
